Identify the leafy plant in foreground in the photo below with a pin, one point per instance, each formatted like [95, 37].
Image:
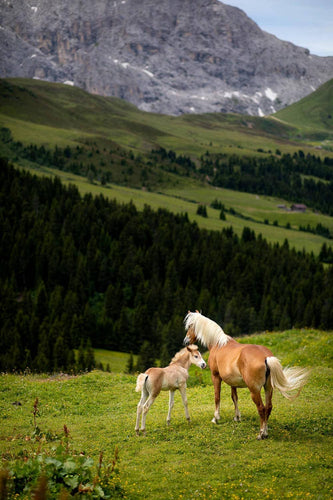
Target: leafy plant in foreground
[60, 473]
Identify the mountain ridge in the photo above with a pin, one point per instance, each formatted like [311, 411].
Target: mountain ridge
[174, 57]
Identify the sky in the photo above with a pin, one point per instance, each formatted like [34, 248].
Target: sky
[306, 23]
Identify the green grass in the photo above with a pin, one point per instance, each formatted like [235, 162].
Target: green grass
[117, 361]
[196, 460]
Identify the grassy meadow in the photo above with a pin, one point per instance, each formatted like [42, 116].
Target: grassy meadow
[186, 461]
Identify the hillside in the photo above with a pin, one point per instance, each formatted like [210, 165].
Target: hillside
[60, 129]
[313, 115]
[170, 56]
[45, 113]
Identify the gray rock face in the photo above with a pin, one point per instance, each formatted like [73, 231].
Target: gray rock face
[165, 56]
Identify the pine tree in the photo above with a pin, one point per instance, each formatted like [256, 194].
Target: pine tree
[89, 356]
[130, 364]
[81, 362]
[146, 357]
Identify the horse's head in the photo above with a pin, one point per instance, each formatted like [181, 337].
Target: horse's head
[195, 356]
[190, 337]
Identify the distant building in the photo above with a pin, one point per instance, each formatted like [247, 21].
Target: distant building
[298, 207]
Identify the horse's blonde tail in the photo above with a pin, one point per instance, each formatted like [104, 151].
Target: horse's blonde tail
[140, 381]
[286, 379]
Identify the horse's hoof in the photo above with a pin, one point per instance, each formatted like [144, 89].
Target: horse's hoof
[188, 419]
[137, 432]
[262, 436]
[214, 421]
[237, 419]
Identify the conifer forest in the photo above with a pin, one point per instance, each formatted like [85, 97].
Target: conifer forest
[80, 271]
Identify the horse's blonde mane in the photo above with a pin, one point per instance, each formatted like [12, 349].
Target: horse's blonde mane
[181, 353]
[206, 330]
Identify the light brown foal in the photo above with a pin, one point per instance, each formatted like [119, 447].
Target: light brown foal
[242, 365]
[170, 378]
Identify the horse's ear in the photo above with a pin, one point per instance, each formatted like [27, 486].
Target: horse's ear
[189, 348]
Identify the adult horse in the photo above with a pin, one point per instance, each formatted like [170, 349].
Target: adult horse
[170, 378]
[242, 365]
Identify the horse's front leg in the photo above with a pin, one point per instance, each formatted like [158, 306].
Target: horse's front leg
[182, 390]
[171, 403]
[234, 397]
[217, 389]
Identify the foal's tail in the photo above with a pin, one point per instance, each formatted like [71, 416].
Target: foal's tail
[286, 379]
[140, 381]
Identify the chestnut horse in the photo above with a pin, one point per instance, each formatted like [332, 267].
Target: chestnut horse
[171, 378]
[242, 365]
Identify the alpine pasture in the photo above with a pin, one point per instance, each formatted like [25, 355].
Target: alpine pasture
[181, 461]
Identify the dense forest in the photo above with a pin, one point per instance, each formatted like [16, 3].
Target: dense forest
[87, 270]
[297, 178]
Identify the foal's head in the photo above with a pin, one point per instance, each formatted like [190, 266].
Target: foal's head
[195, 356]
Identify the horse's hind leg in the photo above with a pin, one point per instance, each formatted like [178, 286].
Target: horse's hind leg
[234, 397]
[268, 402]
[256, 398]
[217, 389]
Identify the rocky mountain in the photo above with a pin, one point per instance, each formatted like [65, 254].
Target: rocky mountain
[165, 56]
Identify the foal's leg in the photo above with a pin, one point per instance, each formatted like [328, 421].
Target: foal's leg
[256, 398]
[146, 407]
[182, 390]
[144, 396]
[217, 389]
[171, 403]
[234, 397]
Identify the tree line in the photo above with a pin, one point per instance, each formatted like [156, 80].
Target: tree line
[81, 271]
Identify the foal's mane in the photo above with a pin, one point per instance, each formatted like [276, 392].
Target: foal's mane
[181, 353]
[206, 330]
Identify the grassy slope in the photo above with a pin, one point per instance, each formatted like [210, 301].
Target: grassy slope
[56, 114]
[199, 460]
[312, 115]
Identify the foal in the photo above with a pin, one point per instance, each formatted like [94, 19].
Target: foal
[171, 378]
